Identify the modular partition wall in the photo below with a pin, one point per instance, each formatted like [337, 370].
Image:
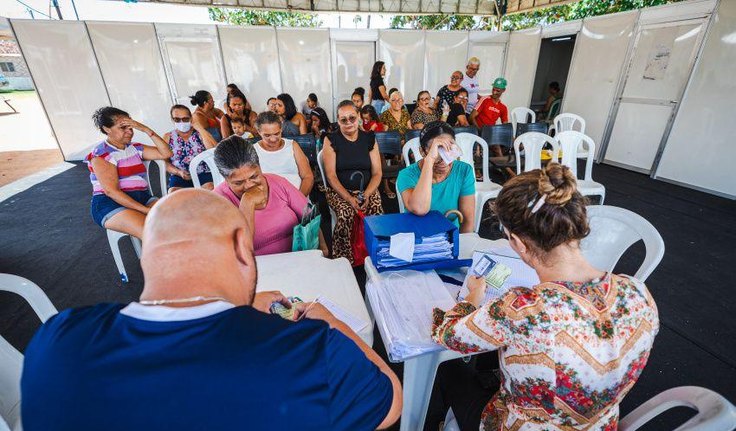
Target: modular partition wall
[628, 75]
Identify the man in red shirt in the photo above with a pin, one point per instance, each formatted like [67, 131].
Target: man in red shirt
[489, 109]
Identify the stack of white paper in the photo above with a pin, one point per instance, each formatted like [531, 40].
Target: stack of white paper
[403, 302]
[431, 248]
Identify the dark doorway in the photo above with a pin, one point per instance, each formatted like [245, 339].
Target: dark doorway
[555, 56]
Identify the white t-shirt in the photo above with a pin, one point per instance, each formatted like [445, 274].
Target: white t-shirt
[473, 87]
[281, 162]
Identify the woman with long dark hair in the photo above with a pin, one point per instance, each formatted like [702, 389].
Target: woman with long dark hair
[378, 95]
[287, 110]
[238, 107]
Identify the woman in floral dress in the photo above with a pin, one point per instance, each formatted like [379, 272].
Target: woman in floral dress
[571, 347]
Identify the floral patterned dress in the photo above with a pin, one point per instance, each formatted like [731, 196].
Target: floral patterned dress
[185, 151]
[569, 352]
[390, 123]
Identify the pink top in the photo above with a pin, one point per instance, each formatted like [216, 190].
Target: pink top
[274, 224]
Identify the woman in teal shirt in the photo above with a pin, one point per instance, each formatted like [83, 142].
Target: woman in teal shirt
[431, 184]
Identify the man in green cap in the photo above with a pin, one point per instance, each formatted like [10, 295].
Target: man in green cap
[489, 109]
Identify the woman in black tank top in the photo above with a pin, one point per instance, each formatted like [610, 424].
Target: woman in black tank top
[352, 167]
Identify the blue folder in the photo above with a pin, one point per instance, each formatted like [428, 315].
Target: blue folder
[380, 228]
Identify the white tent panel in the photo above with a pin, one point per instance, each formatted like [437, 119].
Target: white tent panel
[192, 60]
[700, 150]
[490, 48]
[677, 11]
[67, 79]
[403, 52]
[446, 52]
[562, 29]
[602, 43]
[305, 64]
[131, 65]
[251, 59]
[521, 65]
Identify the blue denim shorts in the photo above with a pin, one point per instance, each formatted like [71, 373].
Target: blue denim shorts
[103, 208]
[177, 181]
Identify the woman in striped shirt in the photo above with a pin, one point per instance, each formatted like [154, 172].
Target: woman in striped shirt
[120, 194]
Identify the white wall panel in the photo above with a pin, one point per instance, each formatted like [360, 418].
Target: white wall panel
[700, 150]
[67, 79]
[521, 64]
[250, 55]
[446, 52]
[305, 64]
[561, 29]
[403, 52]
[490, 48]
[192, 60]
[131, 65]
[603, 44]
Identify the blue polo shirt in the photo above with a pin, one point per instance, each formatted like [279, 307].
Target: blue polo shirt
[96, 368]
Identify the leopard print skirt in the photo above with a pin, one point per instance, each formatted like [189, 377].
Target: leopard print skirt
[341, 246]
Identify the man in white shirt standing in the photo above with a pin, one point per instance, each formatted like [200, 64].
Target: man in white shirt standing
[470, 82]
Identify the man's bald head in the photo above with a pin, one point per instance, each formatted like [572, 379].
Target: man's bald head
[196, 242]
[191, 215]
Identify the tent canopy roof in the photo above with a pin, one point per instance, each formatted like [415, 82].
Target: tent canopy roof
[464, 7]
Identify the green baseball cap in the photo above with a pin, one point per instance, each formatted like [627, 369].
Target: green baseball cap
[499, 83]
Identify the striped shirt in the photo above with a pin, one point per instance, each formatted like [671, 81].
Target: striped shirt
[132, 174]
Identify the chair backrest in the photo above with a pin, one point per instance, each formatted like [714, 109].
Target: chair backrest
[570, 142]
[612, 231]
[539, 127]
[466, 142]
[409, 107]
[309, 145]
[412, 146]
[567, 121]
[714, 411]
[321, 164]
[554, 109]
[207, 157]
[10, 358]
[389, 142]
[522, 115]
[467, 129]
[411, 134]
[533, 143]
[499, 134]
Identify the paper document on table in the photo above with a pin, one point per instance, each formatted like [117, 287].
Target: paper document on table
[402, 302]
[343, 315]
[402, 246]
[522, 275]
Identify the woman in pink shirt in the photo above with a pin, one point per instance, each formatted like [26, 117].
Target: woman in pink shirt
[271, 204]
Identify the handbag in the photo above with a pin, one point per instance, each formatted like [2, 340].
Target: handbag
[306, 233]
[357, 239]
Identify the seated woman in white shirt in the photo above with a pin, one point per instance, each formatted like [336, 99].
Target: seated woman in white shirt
[280, 156]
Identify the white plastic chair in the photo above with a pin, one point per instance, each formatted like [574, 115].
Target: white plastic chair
[161, 175]
[714, 411]
[321, 164]
[113, 237]
[207, 157]
[566, 122]
[520, 115]
[10, 358]
[570, 143]
[485, 189]
[533, 143]
[411, 146]
[612, 231]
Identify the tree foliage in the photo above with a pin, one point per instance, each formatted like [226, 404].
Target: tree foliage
[550, 15]
[264, 17]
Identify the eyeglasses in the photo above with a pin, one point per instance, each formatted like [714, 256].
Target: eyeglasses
[347, 120]
[424, 99]
[181, 120]
[456, 78]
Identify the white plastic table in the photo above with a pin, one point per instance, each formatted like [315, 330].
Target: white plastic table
[420, 371]
[307, 274]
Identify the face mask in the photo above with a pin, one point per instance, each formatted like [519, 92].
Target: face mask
[183, 127]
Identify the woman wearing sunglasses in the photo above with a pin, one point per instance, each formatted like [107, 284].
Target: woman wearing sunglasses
[432, 184]
[446, 95]
[187, 141]
[352, 166]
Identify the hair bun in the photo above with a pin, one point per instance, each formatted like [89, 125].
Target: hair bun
[558, 183]
[194, 100]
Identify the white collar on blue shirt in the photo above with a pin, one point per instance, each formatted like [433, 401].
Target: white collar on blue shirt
[162, 313]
